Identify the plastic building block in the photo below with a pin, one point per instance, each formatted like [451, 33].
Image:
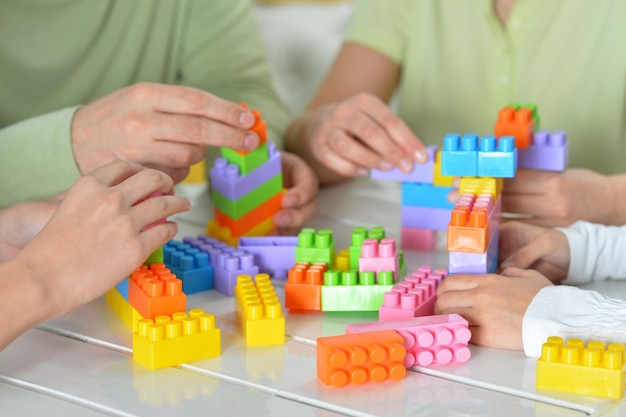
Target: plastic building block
[316, 247]
[129, 315]
[190, 265]
[355, 291]
[533, 111]
[265, 210]
[594, 369]
[377, 257]
[476, 263]
[482, 185]
[248, 162]
[221, 233]
[421, 173]
[426, 195]
[342, 261]
[155, 257]
[429, 340]
[413, 297]
[259, 127]
[259, 311]
[155, 291]
[460, 155]
[242, 206]
[425, 218]
[228, 181]
[497, 157]
[548, 151]
[228, 266]
[438, 179]
[122, 287]
[303, 289]
[274, 255]
[469, 228]
[418, 239]
[181, 338]
[359, 358]
[516, 122]
[359, 234]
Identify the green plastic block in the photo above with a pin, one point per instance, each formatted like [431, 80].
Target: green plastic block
[359, 234]
[238, 208]
[316, 247]
[249, 162]
[155, 257]
[354, 291]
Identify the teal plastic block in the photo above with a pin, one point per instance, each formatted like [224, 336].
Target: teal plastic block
[354, 291]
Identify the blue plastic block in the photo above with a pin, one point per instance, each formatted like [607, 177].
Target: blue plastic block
[421, 173]
[190, 265]
[497, 157]
[426, 195]
[122, 288]
[460, 155]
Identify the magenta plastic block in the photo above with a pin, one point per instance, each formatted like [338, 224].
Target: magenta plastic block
[274, 255]
[426, 195]
[418, 239]
[413, 297]
[548, 151]
[377, 257]
[476, 263]
[229, 266]
[228, 181]
[425, 218]
[497, 157]
[429, 340]
[459, 156]
[421, 173]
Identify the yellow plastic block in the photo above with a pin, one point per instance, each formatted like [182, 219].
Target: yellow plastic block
[259, 311]
[181, 338]
[125, 311]
[593, 370]
[223, 234]
[438, 179]
[481, 185]
[342, 261]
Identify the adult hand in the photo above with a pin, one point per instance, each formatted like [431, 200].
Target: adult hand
[360, 133]
[527, 246]
[97, 236]
[299, 204]
[494, 305]
[159, 126]
[559, 199]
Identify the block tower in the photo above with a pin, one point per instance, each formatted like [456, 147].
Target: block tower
[246, 189]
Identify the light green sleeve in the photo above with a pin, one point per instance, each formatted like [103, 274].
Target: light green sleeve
[381, 25]
[38, 160]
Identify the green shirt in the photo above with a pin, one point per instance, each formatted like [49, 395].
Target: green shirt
[56, 55]
[460, 67]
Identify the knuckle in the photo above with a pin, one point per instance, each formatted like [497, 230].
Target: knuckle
[141, 91]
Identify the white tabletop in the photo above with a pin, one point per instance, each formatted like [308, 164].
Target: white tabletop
[81, 365]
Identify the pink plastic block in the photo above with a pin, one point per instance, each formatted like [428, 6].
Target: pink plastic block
[413, 297]
[377, 257]
[418, 239]
[429, 340]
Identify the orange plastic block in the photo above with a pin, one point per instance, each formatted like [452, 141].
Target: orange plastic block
[223, 233]
[155, 291]
[359, 358]
[244, 224]
[517, 123]
[303, 289]
[259, 127]
[469, 226]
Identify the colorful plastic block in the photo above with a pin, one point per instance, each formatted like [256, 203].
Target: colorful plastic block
[516, 122]
[155, 257]
[497, 157]
[469, 228]
[259, 311]
[460, 155]
[181, 338]
[430, 218]
[421, 173]
[481, 185]
[129, 315]
[228, 266]
[274, 255]
[259, 127]
[438, 179]
[548, 151]
[248, 162]
[122, 287]
[413, 297]
[314, 247]
[426, 195]
[238, 208]
[265, 210]
[303, 289]
[224, 234]
[229, 182]
[429, 340]
[476, 263]
[342, 261]
[379, 256]
[359, 358]
[594, 369]
[359, 234]
[355, 291]
[155, 291]
[418, 239]
[190, 265]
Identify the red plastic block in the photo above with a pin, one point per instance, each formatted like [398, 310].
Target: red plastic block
[155, 291]
[469, 228]
[377, 257]
[413, 297]
[359, 358]
[303, 287]
[418, 239]
[430, 340]
[517, 123]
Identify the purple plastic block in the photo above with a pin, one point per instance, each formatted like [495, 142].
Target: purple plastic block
[421, 173]
[429, 340]
[377, 257]
[425, 218]
[413, 297]
[476, 263]
[228, 266]
[274, 255]
[548, 151]
[226, 179]
[418, 239]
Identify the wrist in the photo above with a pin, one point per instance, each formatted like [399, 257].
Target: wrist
[617, 202]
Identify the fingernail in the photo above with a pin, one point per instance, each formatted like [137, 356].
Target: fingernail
[406, 165]
[385, 165]
[290, 201]
[421, 156]
[246, 119]
[251, 141]
[362, 172]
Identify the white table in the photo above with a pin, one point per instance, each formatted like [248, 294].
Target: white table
[80, 364]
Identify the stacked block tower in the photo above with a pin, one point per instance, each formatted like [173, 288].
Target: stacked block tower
[246, 189]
